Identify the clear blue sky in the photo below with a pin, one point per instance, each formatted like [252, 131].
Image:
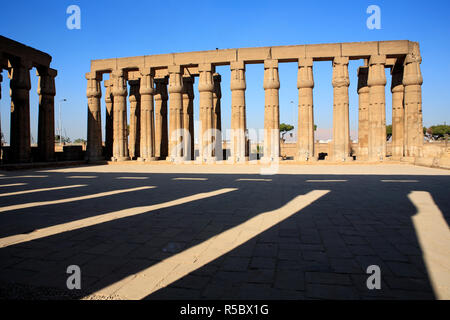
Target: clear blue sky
[131, 28]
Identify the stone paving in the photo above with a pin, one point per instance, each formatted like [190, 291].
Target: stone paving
[225, 232]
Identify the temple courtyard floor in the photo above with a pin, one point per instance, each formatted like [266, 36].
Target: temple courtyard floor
[133, 231]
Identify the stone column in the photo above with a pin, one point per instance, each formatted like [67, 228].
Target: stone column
[46, 124]
[206, 88]
[341, 128]
[188, 118]
[176, 113]
[109, 120]
[305, 85]
[363, 114]
[377, 108]
[134, 129]
[161, 135]
[94, 136]
[20, 149]
[238, 120]
[147, 90]
[398, 111]
[119, 91]
[412, 80]
[217, 117]
[1, 139]
[271, 111]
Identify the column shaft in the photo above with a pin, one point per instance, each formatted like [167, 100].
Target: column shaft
[271, 111]
[176, 113]
[363, 114]
[217, 117]
[305, 85]
[119, 91]
[161, 135]
[341, 128]
[206, 88]
[94, 136]
[398, 112]
[238, 119]
[377, 108]
[412, 80]
[46, 124]
[147, 114]
[135, 108]
[109, 123]
[188, 118]
[20, 150]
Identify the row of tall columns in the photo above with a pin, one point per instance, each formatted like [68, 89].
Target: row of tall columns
[20, 138]
[149, 137]
[407, 132]
[238, 113]
[271, 111]
[305, 85]
[341, 127]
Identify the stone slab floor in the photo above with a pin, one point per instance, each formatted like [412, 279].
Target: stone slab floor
[225, 232]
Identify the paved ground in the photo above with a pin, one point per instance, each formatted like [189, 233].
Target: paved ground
[225, 232]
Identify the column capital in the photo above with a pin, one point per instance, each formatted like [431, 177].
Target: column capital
[340, 60]
[147, 86]
[20, 74]
[175, 81]
[377, 75]
[46, 85]
[188, 86]
[271, 79]
[363, 76]
[237, 76]
[134, 90]
[93, 85]
[217, 90]
[161, 89]
[412, 74]
[305, 78]
[119, 82]
[397, 78]
[340, 72]
[205, 82]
